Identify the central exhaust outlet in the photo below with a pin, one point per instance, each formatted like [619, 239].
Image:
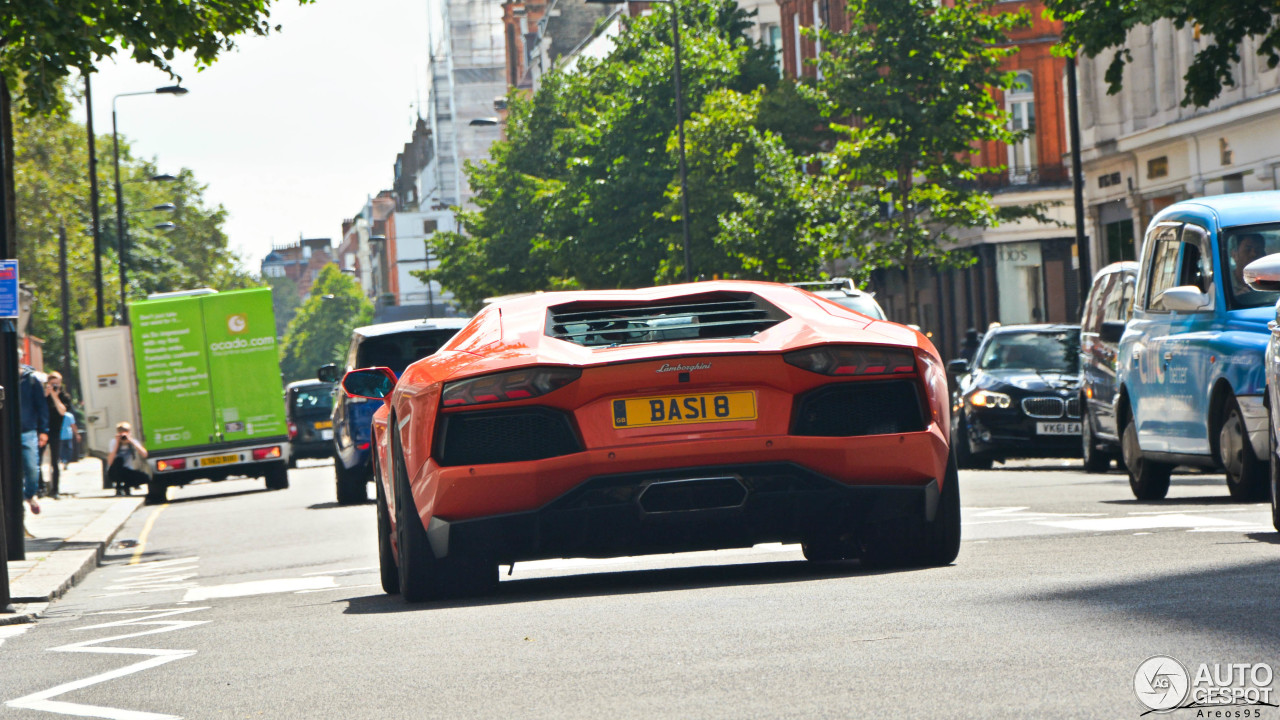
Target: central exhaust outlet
[693, 494]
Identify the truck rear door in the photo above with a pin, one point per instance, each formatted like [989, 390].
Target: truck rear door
[244, 365]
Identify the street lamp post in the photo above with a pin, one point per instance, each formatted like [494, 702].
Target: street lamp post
[684, 175]
[115, 160]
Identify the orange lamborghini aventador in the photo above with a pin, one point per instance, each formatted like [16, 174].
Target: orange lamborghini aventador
[687, 417]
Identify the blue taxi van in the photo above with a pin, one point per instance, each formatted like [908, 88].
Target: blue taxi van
[1190, 364]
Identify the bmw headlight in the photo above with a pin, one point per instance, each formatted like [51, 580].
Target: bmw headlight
[988, 399]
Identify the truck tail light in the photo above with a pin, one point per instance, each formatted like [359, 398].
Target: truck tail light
[293, 430]
[267, 453]
[858, 360]
[172, 464]
[507, 386]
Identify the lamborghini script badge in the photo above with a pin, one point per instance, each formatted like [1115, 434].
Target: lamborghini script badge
[668, 367]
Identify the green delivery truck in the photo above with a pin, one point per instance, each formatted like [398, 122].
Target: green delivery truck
[210, 397]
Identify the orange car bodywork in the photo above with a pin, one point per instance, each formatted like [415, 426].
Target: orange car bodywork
[512, 335]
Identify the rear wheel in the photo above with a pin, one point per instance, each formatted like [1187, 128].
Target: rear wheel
[1246, 477]
[157, 492]
[1095, 461]
[1148, 479]
[278, 477]
[390, 574]
[350, 484]
[913, 542]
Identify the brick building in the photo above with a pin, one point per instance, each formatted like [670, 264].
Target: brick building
[300, 262]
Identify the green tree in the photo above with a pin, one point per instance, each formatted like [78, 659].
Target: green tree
[576, 193]
[1097, 26]
[321, 330]
[915, 80]
[284, 301]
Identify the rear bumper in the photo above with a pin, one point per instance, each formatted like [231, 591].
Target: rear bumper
[1016, 437]
[698, 508]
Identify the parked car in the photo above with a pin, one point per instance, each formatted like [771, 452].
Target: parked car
[1191, 368]
[308, 405]
[1020, 396]
[842, 291]
[393, 345]
[1106, 312]
[697, 416]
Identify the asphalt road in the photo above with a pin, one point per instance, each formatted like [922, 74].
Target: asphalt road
[235, 602]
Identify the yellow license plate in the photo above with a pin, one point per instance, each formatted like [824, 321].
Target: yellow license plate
[219, 460]
[324, 425]
[684, 409]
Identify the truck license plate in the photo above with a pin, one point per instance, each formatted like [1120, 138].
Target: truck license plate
[1057, 428]
[326, 434]
[218, 460]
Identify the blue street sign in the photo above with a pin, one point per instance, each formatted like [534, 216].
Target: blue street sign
[8, 288]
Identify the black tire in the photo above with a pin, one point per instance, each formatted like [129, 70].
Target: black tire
[277, 476]
[390, 574]
[913, 542]
[1095, 461]
[964, 457]
[1148, 479]
[1246, 476]
[350, 485]
[157, 492]
[1275, 476]
[828, 550]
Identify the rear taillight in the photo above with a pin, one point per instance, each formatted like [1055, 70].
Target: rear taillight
[173, 464]
[507, 386]
[293, 430]
[266, 453]
[854, 360]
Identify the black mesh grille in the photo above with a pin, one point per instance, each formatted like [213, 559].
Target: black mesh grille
[1073, 407]
[860, 408]
[498, 436]
[706, 315]
[1043, 407]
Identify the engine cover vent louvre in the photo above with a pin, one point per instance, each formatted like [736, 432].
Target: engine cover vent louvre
[694, 317]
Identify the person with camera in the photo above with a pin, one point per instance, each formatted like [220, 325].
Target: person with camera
[125, 454]
[59, 407]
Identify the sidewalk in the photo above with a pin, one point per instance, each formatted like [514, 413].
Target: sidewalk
[70, 536]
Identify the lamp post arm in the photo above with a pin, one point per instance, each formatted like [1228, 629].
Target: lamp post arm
[684, 175]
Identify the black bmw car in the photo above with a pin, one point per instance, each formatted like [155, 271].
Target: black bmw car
[1020, 398]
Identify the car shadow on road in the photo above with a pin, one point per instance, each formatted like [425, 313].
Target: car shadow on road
[1206, 500]
[628, 582]
[334, 504]
[217, 496]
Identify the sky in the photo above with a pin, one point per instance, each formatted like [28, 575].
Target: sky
[291, 132]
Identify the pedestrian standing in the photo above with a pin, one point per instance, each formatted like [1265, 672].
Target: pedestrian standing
[123, 458]
[68, 439]
[59, 407]
[34, 410]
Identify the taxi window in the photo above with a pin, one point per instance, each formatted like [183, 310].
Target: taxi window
[1241, 246]
[1164, 266]
[1093, 311]
[313, 398]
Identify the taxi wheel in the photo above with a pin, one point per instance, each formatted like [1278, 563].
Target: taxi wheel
[1246, 480]
[390, 574]
[1095, 461]
[417, 572]
[1149, 480]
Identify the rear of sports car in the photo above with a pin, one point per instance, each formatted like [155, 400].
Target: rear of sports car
[715, 420]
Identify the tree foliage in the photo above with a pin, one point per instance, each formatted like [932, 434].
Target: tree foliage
[321, 330]
[284, 301]
[52, 191]
[42, 41]
[916, 81]
[576, 193]
[1097, 26]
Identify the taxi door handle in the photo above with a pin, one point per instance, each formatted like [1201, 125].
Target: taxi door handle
[1168, 356]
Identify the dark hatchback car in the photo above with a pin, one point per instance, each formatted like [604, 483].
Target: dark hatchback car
[1020, 398]
[307, 406]
[1106, 312]
[394, 345]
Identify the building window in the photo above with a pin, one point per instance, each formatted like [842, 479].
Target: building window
[1158, 167]
[771, 36]
[1021, 102]
[795, 23]
[817, 38]
[429, 226]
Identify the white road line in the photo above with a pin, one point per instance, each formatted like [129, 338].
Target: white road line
[44, 700]
[1146, 522]
[8, 631]
[259, 587]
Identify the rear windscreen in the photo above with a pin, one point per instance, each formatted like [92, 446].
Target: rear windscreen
[317, 398]
[398, 351]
